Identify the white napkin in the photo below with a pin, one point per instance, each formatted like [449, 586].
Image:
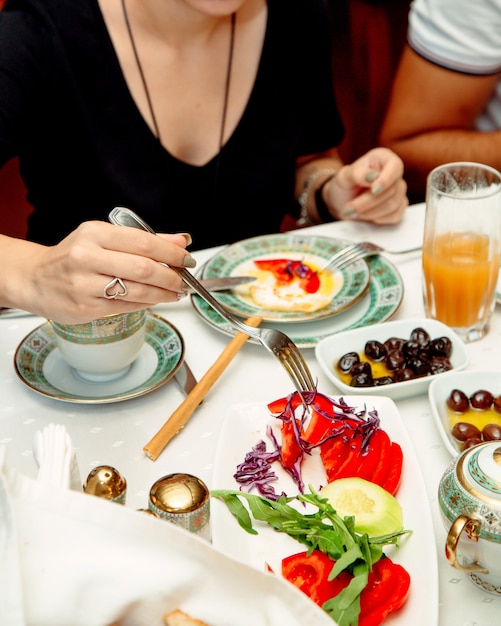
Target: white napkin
[55, 457]
[84, 561]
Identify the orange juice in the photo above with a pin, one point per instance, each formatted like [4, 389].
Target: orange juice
[460, 275]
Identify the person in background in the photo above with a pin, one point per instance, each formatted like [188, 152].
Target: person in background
[445, 104]
[209, 117]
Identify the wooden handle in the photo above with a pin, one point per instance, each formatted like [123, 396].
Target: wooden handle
[184, 411]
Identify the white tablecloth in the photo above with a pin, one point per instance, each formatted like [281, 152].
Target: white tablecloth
[114, 434]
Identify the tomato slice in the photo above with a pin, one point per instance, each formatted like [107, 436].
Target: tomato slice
[282, 269]
[394, 475]
[310, 575]
[381, 446]
[290, 449]
[386, 591]
[340, 457]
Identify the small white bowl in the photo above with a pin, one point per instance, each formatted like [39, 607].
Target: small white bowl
[331, 349]
[468, 381]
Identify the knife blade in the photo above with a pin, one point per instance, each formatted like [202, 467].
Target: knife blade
[185, 379]
[225, 282]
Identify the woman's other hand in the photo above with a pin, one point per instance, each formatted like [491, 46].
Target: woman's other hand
[370, 189]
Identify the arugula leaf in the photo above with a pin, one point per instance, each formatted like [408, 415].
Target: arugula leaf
[323, 530]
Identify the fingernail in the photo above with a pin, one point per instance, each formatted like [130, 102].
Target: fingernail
[377, 189]
[188, 238]
[371, 175]
[189, 261]
[181, 295]
[349, 211]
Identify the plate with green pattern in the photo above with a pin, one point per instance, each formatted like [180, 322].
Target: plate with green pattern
[384, 296]
[289, 286]
[40, 365]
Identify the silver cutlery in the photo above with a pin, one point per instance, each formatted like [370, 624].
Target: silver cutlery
[275, 341]
[211, 284]
[356, 251]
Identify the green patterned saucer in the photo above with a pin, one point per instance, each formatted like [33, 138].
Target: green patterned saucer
[39, 365]
[386, 291]
[338, 290]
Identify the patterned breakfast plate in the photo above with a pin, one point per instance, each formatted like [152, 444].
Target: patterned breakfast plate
[382, 300]
[39, 365]
[287, 301]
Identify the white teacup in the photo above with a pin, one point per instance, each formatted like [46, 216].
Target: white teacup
[103, 349]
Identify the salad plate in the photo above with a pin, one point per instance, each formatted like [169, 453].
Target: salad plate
[246, 424]
[380, 302]
[282, 265]
[40, 366]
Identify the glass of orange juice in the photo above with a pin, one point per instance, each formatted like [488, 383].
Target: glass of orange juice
[462, 246]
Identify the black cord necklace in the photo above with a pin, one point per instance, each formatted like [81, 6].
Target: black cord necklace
[147, 93]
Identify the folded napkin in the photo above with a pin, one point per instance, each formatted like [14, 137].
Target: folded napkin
[55, 457]
[70, 559]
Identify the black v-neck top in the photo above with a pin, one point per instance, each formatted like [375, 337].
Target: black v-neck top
[66, 111]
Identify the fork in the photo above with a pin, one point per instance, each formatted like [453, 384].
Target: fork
[277, 342]
[356, 251]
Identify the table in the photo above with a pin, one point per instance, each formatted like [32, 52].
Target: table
[115, 433]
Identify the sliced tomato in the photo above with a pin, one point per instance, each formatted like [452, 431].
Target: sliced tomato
[282, 269]
[370, 456]
[290, 449]
[310, 283]
[394, 475]
[386, 591]
[338, 454]
[310, 575]
[382, 447]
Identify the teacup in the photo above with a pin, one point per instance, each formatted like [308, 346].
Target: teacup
[470, 504]
[104, 349]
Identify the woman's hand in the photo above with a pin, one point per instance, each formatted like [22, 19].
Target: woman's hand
[371, 189]
[67, 282]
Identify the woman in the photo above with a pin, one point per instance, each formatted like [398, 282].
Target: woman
[213, 117]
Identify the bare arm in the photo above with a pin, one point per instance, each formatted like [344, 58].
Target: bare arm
[430, 118]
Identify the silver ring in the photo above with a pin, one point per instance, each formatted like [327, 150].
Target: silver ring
[116, 282]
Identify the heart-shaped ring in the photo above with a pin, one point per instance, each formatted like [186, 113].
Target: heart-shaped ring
[116, 282]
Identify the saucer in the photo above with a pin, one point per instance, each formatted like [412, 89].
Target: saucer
[40, 365]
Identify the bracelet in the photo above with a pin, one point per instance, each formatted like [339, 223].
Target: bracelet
[304, 217]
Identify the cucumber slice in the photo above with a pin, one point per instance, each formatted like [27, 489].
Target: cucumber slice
[376, 511]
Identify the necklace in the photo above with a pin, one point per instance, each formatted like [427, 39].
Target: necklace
[147, 92]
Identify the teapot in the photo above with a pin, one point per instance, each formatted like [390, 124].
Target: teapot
[469, 497]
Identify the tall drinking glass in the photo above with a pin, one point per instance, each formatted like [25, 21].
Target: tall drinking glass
[461, 246]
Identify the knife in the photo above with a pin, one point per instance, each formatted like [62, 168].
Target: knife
[184, 378]
[212, 284]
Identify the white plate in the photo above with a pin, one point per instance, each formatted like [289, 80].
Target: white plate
[331, 349]
[40, 365]
[343, 288]
[467, 381]
[246, 424]
[385, 294]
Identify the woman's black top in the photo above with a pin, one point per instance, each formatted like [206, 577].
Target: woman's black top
[66, 111]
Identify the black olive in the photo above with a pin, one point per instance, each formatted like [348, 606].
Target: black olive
[393, 343]
[421, 336]
[458, 401]
[383, 380]
[375, 350]
[491, 432]
[496, 405]
[362, 380]
[481, 400]
[394, 359]
[473, 441]
[440, 364]
[362, 367]
[347, 361]
[442, 346]
[419, 366]
[464, 430]
[411, 348]
[403, 374]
